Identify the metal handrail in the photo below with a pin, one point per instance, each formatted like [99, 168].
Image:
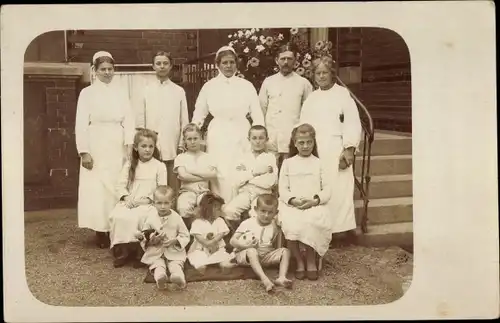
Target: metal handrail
[368, 127]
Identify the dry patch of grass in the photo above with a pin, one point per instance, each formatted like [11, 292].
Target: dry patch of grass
[64, 268]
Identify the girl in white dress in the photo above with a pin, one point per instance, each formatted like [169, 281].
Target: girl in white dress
[194, 168]
[138, 181]
[229, 99]
[209, 230]
[333, 113]
[304, 189]
[104, 132]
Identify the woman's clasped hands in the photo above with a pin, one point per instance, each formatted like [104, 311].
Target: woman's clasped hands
[132, 203]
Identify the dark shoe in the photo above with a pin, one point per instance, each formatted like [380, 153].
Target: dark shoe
[135, 254]
[138, 264]
[121, 254]
[120, 262]
[149, 279]
[312, 275]
[106, 243]
[102, 240]
[300, 275]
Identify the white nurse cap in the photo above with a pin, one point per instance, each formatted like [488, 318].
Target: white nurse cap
[101, 54]
[224, 48]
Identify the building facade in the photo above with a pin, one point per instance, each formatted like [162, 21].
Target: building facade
[373, 62]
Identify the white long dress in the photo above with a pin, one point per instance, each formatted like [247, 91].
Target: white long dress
[198, 255]
[322, 110]
[304, 177]
[124, 221]
[104, 126]
[229, 100]
[281, 98]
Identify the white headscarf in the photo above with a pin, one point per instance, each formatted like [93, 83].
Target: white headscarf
[222, 49]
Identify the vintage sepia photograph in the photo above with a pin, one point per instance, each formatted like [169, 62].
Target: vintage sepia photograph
[197, 165]
[251, 161]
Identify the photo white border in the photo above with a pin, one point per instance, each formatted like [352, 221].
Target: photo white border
[453, 65]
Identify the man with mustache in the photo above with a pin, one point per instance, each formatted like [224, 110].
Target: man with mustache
[281, 98]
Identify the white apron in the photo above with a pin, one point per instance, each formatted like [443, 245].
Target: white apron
[227, 142]
[322, 110]
[229, 100]
[96, 191]
[341, 203]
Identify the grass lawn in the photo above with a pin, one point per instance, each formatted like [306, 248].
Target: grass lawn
[63, 267]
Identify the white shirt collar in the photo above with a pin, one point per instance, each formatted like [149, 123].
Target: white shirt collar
[159, 82]
[334, 87]
[99, 83]
[290, 75]
[225, 79]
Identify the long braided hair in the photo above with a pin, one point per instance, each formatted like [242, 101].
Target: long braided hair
[134, 160]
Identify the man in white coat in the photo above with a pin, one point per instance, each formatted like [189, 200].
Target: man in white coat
[165, 111]
[281, 97]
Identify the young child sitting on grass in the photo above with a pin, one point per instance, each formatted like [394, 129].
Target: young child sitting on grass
[167, 248]
[208, 230]
[261, 252]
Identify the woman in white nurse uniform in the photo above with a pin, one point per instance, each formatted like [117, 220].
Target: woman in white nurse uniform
[104, 132]
[229, 99]
[333, 113]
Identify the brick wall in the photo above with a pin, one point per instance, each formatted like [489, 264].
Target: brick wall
[386, 79]
[132, 46]
[47, 47]
[51, 162]
[381, 59]
[51, 89]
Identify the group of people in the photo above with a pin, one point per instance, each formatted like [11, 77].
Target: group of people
[157, 199]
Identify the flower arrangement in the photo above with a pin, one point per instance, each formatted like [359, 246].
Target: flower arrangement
[257, 49]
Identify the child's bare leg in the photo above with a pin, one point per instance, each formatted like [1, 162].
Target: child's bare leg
[284, 263]
[160, 274]
[253, 259]
[294, 249]
[176, 269]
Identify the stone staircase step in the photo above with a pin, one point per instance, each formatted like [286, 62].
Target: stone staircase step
[387, 210]
[385, 235]
[387, 186]
[387, 165]
[389, 146]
